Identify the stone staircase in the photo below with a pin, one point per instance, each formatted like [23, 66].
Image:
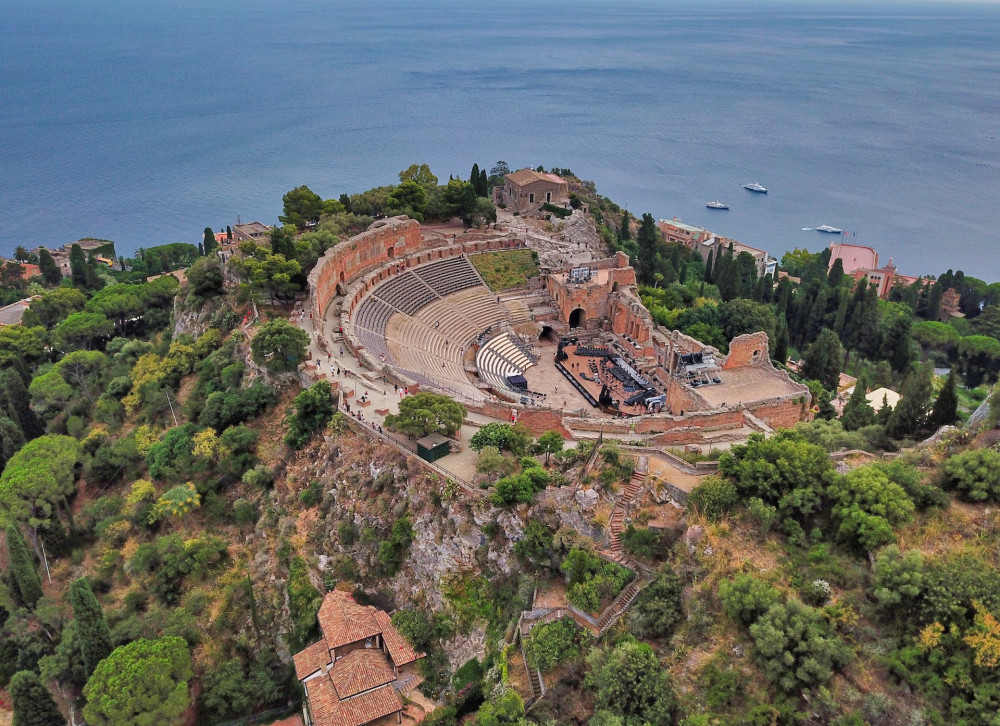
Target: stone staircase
[617, 522]
[405, 685]
[621, 604]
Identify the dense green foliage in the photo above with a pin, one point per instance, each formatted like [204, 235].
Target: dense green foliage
[313, 410]
[593, 582]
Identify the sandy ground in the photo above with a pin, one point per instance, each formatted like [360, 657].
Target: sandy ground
[659, 469]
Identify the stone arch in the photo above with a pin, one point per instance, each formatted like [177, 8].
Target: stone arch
[577, 318]
[342, 277]
[390, 253]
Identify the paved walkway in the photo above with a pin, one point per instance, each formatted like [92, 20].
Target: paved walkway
[355, 377]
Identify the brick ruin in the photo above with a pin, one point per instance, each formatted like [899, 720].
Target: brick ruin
[704, 390]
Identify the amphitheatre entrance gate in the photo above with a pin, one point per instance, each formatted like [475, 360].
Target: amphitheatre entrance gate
[577, 318]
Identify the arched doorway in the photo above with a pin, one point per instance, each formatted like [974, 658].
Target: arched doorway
[577, 318]
[391, 252]
[342, 276]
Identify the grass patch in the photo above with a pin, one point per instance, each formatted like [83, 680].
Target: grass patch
[506, 270]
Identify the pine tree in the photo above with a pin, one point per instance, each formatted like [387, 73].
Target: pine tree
[32, 701]
[858, 413]
[945, 409]
[49, 269]
[92, 628]
[22, 566]
[78, 266]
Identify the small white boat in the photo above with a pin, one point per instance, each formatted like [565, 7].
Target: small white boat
[829, 230]
[717, 205]
[756, 187]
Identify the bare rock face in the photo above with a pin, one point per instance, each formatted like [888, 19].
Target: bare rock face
[693, 536]
[586, 498]
[463, 648]
[561, 504]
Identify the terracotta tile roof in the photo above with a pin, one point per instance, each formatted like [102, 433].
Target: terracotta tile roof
[528, 176]
[323, 702]
[343, 621]
[366, 707]
[311, 659]
[398, 647]
[361, 670]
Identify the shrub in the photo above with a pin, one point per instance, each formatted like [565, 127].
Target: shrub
[313, 410]
[713, 497]
[657, 610]
[393, 551]
[593, 582]
[975, 474]
[553, 643]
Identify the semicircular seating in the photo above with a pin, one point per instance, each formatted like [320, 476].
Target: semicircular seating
[420, 322]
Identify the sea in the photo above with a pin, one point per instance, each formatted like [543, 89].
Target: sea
[145, 122]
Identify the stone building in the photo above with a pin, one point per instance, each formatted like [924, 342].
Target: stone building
[525, 191]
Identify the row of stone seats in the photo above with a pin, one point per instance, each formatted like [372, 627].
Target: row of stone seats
[373, 314]
[405, 292]
[451, 275]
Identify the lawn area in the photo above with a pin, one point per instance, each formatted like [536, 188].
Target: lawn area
[506, 270]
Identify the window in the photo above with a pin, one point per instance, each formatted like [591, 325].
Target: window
[531, 199]
[548, 196]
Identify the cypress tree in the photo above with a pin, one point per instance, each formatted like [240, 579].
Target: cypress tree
[836, 273]
[858, 413]
[32, 701]
[22, 566]
[78, 266]
[49, 269]
[229, 231]
[934, 301]
[209, 244]
[17, 394]
[624, 228]
[484, 183]
[474, 179]
[92, 628]
[11, 439]
[708, 267]
[910, 414]
[780, 354]
[945, 409]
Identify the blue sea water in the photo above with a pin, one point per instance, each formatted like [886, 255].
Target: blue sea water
[144, 122]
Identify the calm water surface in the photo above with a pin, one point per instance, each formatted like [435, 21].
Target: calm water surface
[145, 122]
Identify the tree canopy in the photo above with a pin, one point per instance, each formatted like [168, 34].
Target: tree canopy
[144, 683]
[426, 413]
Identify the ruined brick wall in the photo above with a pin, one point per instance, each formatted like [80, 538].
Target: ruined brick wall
[748, 350]
[384, 240]
[682, 398]
[780, 413]
[723, 419]
[629, 317]
[538, 422]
